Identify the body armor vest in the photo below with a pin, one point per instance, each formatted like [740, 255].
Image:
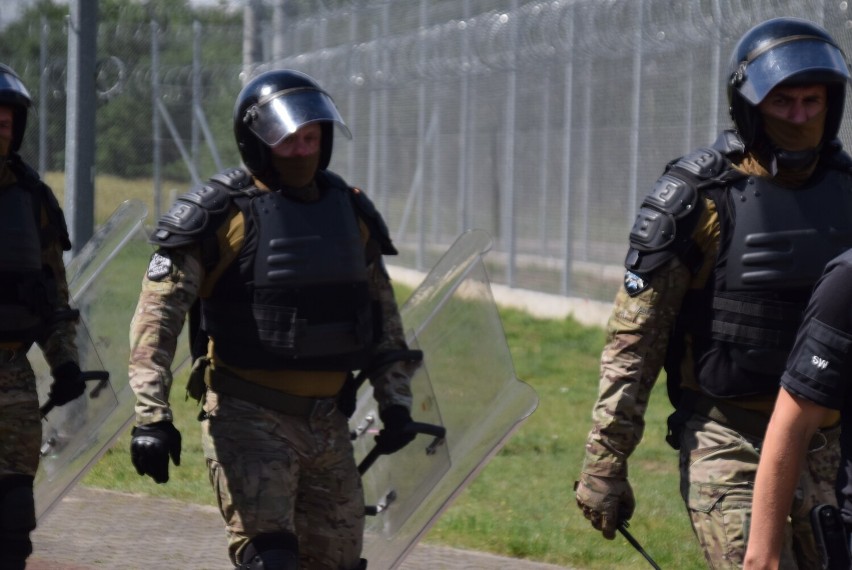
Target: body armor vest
[27, 293]
[744, 322]
[296, 297]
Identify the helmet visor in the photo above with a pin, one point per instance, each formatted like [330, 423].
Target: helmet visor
[12, 91]
[279, 115]
[802, 60]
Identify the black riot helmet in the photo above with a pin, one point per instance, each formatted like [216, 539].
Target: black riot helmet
[788, 51]
[274, 105]
[13, 94]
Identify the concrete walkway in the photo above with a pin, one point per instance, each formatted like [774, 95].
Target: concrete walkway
[105, 530]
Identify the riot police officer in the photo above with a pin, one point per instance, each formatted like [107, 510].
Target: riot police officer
[281, 263]
[33, 310]
[723, 256]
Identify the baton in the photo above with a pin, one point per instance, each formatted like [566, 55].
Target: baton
[101, 375]
[622, 528]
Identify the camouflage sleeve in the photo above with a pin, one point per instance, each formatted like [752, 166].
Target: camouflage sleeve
[637, 338]
[393, 385]
[169, 288]
[60, 346]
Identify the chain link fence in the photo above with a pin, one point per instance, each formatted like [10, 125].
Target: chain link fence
[543, 122]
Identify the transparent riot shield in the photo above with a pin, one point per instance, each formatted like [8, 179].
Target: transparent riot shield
[465, 385]
[104, 287]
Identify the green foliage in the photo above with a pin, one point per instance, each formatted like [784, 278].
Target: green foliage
[124, 119]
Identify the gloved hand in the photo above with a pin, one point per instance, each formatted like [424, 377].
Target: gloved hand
[393, 436]
[67, 384]
[605, 501]
[150, 448]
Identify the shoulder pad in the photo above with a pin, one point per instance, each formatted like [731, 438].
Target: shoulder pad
[371, 216]
[665, 218]
[674, 196]
[191, 214]
[729, 144]
[233, 179]
[703, 163]
[30, 179]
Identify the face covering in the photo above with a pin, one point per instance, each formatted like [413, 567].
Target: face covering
[795, 137]
[6, 175]
[295, 171]
[797, 147]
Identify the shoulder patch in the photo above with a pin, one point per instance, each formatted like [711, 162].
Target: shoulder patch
[634, 283]
[160, 266]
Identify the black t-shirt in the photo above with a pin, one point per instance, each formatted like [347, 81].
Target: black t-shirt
[819, 368]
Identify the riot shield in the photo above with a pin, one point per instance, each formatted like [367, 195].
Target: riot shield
[102, 289]
[466, 385]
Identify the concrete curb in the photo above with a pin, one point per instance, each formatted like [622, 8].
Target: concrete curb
[536, 303]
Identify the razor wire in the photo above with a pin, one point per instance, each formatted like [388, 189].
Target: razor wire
[578, 103]
[545, 31]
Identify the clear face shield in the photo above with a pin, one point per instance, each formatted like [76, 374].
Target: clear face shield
[805, 59]
[280, 114]
[12, 90]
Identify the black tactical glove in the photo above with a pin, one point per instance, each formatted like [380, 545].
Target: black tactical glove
[150, 448]
[394, 435]
[67, 384]
[605, 501]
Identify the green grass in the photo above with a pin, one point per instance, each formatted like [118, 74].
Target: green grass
[522, 504]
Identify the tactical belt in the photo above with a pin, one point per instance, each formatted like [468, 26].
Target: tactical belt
[747, 422]
[232, 385]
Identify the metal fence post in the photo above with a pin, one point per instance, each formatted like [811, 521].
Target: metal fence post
[80, 121]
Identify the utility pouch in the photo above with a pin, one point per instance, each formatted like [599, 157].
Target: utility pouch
[831, 537]
[675, 422]
[195, 386]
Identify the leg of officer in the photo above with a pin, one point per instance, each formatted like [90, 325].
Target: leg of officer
[20, 438]
[816, 487]
[254, 470]
[718, 466]
[330, 505]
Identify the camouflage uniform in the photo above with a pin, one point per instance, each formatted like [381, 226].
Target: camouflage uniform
[20, 419]
[271, 471]
[718, 463]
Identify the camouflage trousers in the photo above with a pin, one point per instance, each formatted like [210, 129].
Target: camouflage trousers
[20, 421]
[717, 471]
[274, 473]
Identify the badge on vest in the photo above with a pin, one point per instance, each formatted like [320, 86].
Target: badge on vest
[159, 266]
[634, 283]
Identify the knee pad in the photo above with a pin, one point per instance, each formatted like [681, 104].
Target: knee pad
[271, 551]
[17, 518]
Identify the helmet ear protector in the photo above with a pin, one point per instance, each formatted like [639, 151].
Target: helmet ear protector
[14, 94]
[784, 51]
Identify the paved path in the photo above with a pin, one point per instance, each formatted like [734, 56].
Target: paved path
[105, 530]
